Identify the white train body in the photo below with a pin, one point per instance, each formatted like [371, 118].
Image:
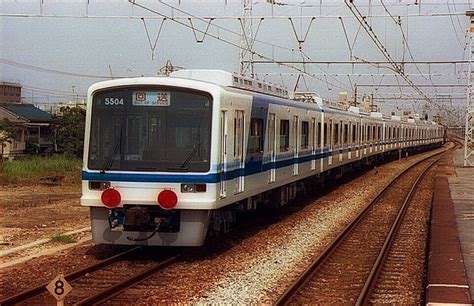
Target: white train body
[167, 159]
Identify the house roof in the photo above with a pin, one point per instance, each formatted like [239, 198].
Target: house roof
[27, 111]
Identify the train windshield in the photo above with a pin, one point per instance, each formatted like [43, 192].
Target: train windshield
[150, 129]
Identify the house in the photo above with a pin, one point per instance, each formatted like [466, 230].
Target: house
[33, 129]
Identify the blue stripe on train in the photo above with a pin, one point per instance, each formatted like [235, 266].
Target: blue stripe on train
[251, 167]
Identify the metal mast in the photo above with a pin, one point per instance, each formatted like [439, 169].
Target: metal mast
[469, 130]
[246, 40]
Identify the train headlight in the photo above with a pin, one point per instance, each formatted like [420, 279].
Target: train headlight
[97, 185]
[111, 198]
[191, 188]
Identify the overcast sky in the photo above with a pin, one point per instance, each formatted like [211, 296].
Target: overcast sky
[54, 48]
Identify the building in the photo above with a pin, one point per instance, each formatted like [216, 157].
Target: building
[57, 109]
[33, 131]
[10, 92]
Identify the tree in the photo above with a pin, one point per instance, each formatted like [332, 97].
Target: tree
[69, 127]
[7, 133]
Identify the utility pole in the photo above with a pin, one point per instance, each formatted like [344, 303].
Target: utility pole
[469, 129]
[246, 40]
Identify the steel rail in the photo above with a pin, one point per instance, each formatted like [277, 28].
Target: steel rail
[27, 294]
[306, 274]
[114, 290]
[371, 280]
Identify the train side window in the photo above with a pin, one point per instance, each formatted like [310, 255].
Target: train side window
[362, 132]
[354, 136]
[318, 139]
[336, 134]
[255, 144]
[238, 133]
[271, 133]
[326, 136]
[284, 135]
[374, 136]
[346, 133]
[304, 134]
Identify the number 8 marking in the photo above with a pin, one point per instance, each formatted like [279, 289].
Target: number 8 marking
[59, 287]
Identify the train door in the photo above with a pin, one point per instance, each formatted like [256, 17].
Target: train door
[272, 147]
[223, 157]
[330, 140]
[322, 139]
[351, 135]
[314, 142]
[295, 145]
[239, 134]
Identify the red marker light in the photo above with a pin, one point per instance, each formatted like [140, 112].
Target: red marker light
[111, 198]
[167, 199]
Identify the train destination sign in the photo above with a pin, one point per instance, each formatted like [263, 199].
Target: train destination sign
[151, 98]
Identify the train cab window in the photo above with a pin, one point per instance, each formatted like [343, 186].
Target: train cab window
[369, 133]
[255, 144]
[374, 133]
[379, 134]
[284, 135]
[304, 134]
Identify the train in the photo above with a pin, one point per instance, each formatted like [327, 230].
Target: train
[171, 160]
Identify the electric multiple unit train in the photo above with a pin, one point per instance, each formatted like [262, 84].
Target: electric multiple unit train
[169, 159]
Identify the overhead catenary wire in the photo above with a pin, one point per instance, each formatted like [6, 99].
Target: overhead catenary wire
[381, 47]
[53, 71]
[230, 43]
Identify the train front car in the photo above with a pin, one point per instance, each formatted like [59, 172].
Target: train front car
[147, 161]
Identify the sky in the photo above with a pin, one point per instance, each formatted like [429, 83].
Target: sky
[57, 49]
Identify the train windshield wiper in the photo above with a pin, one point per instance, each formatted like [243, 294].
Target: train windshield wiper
[184, 165]
[110, 160]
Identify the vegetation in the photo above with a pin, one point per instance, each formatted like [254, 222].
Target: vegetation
[69, 128]
[7, 132]
[63, 239]
[35, 168]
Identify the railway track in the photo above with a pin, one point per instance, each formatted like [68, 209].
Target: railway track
[101, 281]
[348, 269]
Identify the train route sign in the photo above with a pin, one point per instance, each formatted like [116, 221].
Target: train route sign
[59, 287]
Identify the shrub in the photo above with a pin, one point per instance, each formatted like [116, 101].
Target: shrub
[33, 168]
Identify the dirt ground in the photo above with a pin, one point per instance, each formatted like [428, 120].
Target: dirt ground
[32, 212]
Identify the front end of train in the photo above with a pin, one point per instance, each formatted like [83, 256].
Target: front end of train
[147, 176]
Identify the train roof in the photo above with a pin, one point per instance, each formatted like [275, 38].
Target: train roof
[233, 80]
[228, 79]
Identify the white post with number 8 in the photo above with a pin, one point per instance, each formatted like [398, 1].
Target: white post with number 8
[59, 288]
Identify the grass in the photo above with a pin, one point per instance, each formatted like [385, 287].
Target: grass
[34, 168]
[63, 239]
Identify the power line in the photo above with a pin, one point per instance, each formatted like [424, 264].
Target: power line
[228, 42]
[47, 70]
[382, 48]
[361, 62]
